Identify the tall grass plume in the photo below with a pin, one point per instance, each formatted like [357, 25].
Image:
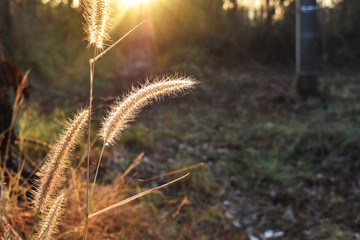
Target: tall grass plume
[97, 15]
[51, 174]
[51, 219]
[123, 111]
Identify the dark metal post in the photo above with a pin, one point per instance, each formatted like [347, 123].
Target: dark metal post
[324, 60]
[307, 52]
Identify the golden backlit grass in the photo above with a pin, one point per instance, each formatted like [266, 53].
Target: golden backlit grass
[52, 185]
[51, 175]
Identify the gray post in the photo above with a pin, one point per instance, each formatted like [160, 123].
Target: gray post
[307, 52]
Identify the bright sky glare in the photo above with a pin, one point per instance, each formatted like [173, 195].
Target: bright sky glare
[76, 3]
[133, 2]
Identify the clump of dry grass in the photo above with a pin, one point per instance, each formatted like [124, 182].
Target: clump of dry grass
[14, 208]
[120, 223]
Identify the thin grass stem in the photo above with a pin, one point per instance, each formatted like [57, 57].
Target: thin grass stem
[34, 224]
[136, 162]
[96, 173]
[172, 172]
[92, 71]
[43, 233]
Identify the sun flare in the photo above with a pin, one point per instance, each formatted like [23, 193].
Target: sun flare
[134, 2]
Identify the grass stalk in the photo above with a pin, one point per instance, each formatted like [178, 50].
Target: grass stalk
[136, 162]
[96, 173]
[43, 233]
[92, 72]
[132, 198]
[93, 60]
[34, 224]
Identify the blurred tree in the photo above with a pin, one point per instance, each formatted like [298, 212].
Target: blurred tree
[270, 12]
[31, 6]
[242, 33]
[344, 32]
[233, 12]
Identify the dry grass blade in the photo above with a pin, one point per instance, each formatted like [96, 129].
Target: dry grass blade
[19, 91]
[115, 43]
[122, 112]
[136, 162]
[172, 173]
[52, 172]
[183, 202]
[130, 199]
[37, 142]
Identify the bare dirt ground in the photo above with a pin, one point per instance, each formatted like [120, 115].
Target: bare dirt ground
[274, 166]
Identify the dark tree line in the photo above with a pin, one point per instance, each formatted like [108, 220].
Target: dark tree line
[227, 35]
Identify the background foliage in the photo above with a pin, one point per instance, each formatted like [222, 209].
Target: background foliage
[48, 39]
